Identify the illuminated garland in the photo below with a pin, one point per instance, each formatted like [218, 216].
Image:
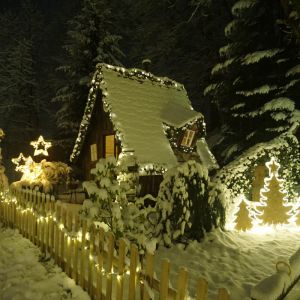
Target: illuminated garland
[97, 84]
[174, 133]
[237, 176]
[273, 209]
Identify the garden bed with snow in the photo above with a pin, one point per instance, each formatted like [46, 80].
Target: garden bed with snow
[236, 261]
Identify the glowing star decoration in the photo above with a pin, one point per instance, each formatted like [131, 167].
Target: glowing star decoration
[31, 170]
[273, 208]
[41, 146]
[20, 162]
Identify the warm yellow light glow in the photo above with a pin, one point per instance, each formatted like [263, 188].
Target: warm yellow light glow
[19, 162]
[31, 170]
[40, 146]
[272, 213]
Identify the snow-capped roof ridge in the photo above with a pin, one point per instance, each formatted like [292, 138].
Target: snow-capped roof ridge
[138, 104]
[140, 74]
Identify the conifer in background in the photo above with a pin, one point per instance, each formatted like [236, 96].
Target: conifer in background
[255, 86]
[91, 38]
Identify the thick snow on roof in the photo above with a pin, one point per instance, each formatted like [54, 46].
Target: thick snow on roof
[139, 104]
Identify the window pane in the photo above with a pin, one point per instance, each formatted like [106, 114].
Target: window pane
[188, 138]
[93, 152]
[109, 145]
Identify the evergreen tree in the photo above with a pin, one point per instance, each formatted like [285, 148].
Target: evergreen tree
[255, 86]
[91, 38]
[20, 103]
[180, 40]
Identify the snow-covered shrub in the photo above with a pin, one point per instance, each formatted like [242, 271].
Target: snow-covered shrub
[237, 176]
[185, 206]
[108, 203]
[44, 175]
[107, 196]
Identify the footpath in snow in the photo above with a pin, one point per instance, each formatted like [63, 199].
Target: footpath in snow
[25, 275]
[237, 261]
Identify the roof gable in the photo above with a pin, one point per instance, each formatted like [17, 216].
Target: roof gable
[139, 103]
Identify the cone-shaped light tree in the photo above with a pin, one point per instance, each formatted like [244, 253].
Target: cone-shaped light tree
[274, 208]
[243, 219]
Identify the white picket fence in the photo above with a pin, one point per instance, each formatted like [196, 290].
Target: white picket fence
[105, 267]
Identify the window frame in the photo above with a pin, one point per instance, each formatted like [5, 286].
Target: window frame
[93, 152]
[188, 138]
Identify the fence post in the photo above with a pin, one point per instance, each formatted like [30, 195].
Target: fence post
[182, 284]
[164, 280]
[100, 251]
[76, 246]
[133, 270]
[83, 254]
[52, 225]
[57, 233]
[109, 270]
[91, 262]
[201, 292]
[223, 294]
[62, 226]
[69, 244]
[149, 272]
[121, 269]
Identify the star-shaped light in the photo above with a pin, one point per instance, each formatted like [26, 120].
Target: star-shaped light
[41, 146]
[273, 166]
[20, 162]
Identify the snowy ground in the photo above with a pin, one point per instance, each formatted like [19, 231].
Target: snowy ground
[236, 261]
[233, 260]
[24, 275]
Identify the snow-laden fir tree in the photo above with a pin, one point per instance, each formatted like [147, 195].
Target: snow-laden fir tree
[256, 85]
[187, 204]
[91, 38]
[19, 55]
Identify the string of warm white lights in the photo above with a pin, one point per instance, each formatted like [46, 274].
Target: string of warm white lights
[73, 236]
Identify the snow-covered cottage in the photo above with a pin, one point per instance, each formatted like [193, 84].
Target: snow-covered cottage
[133, 112]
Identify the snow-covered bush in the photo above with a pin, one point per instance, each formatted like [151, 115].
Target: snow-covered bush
[237, 176]
[107, 196]
[108, 203]
[187, 205]
[44, 175]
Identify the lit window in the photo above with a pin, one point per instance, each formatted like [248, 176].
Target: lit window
[93, 152]
[188, 138]
[109, 146]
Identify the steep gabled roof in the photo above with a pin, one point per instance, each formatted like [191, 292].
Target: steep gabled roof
[138, 104]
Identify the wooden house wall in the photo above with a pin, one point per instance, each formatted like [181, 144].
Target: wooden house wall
[100, 126]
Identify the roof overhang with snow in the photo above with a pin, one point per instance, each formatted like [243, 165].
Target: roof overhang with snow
[139, 104]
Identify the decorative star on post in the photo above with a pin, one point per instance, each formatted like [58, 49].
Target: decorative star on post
[41, 146]
[273, 166]
[20, 162]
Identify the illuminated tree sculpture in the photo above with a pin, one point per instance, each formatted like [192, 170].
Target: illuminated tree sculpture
[243, 219]
[273, 208]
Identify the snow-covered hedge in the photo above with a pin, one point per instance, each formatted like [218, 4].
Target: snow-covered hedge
[237, 176]
[187, 204]
[108, 204]
[44, 175]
